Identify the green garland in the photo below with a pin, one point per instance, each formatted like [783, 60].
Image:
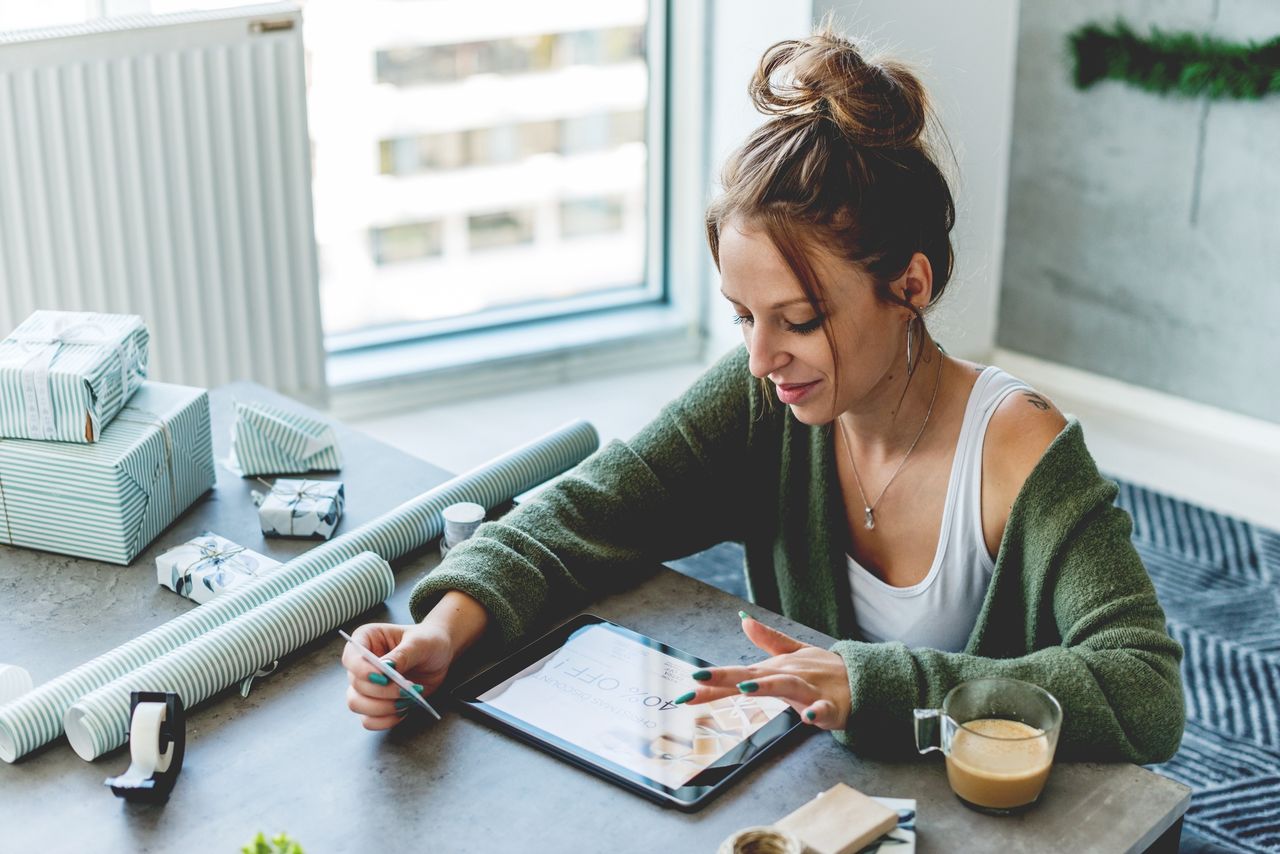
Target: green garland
[1181, 63]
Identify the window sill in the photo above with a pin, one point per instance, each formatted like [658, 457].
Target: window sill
[421, 373]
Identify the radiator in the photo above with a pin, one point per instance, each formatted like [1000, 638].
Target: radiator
[160, 165]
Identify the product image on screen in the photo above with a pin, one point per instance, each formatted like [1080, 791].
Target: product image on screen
[613, 696]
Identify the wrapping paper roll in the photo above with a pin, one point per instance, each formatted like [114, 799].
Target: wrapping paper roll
[36, 718]
[14, 682]
[221, 657]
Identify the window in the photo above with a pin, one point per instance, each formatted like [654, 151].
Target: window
[497, 157]
[407, 242]
[496, 230]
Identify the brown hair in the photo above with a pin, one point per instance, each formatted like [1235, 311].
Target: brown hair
[843, 160]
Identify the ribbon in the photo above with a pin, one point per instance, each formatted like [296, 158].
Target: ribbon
[152, 419]
[5, 504]
[293, 497]
[213, 555]
[37, 389]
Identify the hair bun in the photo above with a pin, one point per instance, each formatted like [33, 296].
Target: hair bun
[874, 104]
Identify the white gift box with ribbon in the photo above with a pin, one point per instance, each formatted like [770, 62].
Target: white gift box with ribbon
[109, 500]
[65, 374]
[300, 508]
[203, 567]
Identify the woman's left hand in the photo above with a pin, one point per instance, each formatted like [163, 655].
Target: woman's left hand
[809, 679]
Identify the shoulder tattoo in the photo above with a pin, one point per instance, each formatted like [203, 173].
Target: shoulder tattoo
[1037, 401]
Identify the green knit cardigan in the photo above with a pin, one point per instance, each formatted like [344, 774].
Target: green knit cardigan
[1070, 606]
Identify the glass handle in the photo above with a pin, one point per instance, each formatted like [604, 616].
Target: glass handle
[926, 729]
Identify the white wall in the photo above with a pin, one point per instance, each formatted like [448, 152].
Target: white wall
[740, 32]
[965, 53]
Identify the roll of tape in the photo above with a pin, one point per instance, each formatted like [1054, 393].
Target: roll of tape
[14, 682]
[157, 743]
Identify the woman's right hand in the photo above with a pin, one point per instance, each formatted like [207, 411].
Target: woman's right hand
[422, 653]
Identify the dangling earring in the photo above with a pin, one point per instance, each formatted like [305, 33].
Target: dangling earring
[910, 324]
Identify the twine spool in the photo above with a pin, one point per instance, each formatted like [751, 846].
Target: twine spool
[761, 840]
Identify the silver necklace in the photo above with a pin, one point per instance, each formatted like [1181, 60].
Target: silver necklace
[869, 509]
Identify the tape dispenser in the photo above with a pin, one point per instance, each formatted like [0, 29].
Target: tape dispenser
[157, 744]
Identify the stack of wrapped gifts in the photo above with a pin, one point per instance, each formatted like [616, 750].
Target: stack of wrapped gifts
[94, 460]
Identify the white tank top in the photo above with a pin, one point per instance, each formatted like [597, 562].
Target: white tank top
[940, 611]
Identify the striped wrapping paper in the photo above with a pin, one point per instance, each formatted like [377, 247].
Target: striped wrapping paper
[109, 500]
[36, 718]
[65, 374]
[269, 440]
[221, 657]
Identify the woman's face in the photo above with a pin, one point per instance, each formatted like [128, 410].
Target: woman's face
[784, 335]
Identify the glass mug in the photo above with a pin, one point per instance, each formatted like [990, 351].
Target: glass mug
[998, 736]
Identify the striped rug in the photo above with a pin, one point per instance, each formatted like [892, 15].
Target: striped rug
[1219, 582]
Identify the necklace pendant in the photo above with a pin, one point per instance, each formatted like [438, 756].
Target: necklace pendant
[870, 517]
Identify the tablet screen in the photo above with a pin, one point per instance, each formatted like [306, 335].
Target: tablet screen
[612, 696]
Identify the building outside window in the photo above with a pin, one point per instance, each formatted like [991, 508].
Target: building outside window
[479, 159]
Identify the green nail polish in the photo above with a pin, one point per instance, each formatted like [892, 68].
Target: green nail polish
[402, 704]
[417, 689]
[389, 663]
[684, 698]
[743, 615]
[379, 679]
[701, 675]
[811, 714]
[748, 687]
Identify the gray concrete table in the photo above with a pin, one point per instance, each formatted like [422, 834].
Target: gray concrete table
[292, 758]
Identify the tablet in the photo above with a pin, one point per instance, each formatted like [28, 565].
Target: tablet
[601, 697]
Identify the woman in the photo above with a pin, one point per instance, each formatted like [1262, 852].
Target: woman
[946, 516]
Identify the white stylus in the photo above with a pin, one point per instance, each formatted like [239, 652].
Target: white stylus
[390, 673]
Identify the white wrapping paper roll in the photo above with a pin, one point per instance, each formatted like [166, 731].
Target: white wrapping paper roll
[14, 682]
[36, 718]
[223, 656]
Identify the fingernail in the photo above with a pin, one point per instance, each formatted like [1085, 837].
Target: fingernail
[401, 705]
[702, 675]
[743, 615]
[401, 711]
[416, 688]
[748, 687]
[811, 714]
[389, 663]
[684, 698]
[379, 679]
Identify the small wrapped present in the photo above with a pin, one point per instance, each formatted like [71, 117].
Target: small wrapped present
[109, 500]
[202, 568]
[269, 440]
[300, 508]
[65, 374]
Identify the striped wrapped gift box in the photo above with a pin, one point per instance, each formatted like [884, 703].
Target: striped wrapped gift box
[109, 500]
[221, 657]
[270, 440]
[65, 374]
[36, 717]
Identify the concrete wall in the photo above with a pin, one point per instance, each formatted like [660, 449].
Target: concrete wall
[1143, 236]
